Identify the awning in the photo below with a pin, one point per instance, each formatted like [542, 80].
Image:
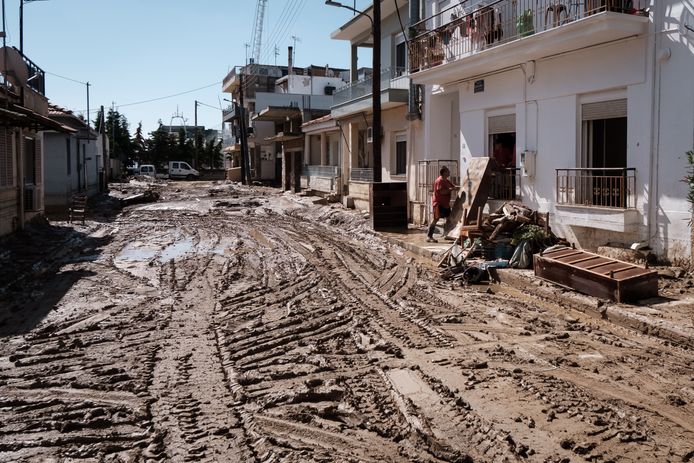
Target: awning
[278, 114]
[281, 136]
[232, 148]
[20, 116]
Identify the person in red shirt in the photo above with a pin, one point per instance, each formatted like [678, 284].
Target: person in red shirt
[441, 200]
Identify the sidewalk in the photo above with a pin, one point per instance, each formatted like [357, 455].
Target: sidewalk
[668, 316]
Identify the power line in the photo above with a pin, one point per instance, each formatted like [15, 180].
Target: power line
[169, 96]
[66, 78]
[161, 97]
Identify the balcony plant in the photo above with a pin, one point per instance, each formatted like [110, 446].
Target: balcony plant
[524, 24]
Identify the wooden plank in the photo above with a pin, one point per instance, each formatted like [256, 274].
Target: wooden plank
[580, 259]
[605, 261]
[570, 254]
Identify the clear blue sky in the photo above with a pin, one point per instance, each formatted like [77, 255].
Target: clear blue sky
[136, 50]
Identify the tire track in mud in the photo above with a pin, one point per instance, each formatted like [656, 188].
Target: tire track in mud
[272, 337]
[367, 401]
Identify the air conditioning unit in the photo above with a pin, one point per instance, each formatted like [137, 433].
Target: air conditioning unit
[369, 135]
[31, 198]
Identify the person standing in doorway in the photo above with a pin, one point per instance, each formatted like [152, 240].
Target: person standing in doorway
[440, 200]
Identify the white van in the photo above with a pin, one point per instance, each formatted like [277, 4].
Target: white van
[148, 169]
[180, 169]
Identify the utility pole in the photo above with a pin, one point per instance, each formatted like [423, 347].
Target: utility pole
[89, 124]
[376, 91]
[21, 27]
[195, 139]
[245, 167]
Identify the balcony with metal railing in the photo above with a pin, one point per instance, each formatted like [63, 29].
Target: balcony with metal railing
[603, 198]
[483, 38]
[361, 174]
[356, 97]
[320, 171]
[602, 187]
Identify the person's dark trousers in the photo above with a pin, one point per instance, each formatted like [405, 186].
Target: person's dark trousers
[432, 228]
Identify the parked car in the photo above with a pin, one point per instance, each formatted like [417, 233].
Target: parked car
[180, 169]
[148, 169]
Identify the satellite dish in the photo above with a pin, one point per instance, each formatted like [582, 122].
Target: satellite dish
[12, 65]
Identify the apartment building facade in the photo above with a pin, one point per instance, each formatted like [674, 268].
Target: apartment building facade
[276, 101]
[581, 106]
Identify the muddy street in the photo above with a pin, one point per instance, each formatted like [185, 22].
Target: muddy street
[224, 323]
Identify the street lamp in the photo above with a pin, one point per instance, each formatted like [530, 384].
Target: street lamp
[376, 79]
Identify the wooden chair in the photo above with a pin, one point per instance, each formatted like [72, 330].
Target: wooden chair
[78, 208]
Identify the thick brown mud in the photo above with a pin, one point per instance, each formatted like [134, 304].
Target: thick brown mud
[231, 324]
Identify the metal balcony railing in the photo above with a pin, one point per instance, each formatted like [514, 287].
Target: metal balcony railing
[321, 171]
[361, 174]
[396, 78]
[505, 184]
[37, 76]
[502, 21]
[602, 187]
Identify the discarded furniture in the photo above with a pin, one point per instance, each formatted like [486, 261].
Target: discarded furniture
[78, 208]
[388, 203]
[596, 275]
[472, 196]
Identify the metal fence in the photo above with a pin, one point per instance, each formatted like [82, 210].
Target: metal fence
[427, 173]
[606, 187]
[475, 29]
[390, 79]
[321, 171]
[361, 174]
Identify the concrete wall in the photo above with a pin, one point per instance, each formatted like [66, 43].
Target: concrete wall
[308, 85]
[547, 106]
[59, 185]
[359, 192]
[265, 99]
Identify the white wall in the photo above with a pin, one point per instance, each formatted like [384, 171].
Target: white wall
[547, 107]
[308, 85]
[674, 132]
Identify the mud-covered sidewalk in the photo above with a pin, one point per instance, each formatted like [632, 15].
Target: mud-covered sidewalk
[224, 323]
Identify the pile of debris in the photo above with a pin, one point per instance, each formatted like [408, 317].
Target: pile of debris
[147, 196]
[507, 237]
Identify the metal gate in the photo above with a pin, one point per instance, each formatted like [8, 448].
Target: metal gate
[427, 173]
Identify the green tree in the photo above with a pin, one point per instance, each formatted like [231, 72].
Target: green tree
[160, 147]
[212, 154]
[199, 145]
[116, 128]
[184, 147]
[139, 145]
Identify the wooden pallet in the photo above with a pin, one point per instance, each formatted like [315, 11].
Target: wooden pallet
[596, 275]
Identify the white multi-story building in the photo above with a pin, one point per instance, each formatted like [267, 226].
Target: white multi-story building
[586, 106]
[277, 99]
